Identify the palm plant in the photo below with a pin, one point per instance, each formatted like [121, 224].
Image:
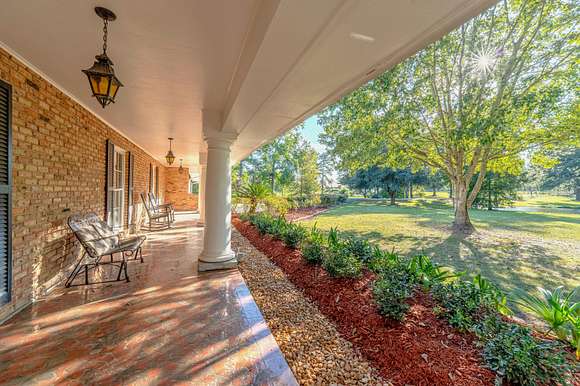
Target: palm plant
[556, 308]
[254, 194]
[429, 273]
[333, 238]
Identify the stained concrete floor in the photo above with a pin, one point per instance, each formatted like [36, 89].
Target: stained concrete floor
[169, 325]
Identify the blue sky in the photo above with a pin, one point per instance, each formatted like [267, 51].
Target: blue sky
[311, 131]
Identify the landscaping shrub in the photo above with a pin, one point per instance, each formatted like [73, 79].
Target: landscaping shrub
[359, 247]
[313, 252]
[509, 349]
[498, 296]
[464, 304]
[278, 228]
[313, 246]
[276, 205]
[427, 273]
[516, 356]
[382, 260]
[298, 202]
[392, 289]
[558, 309]
[333, 238]
[340, 262]
[262, 222]
[293, 235]
[331, 199]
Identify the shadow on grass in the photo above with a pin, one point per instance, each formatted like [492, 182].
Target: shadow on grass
[431, 213]
[511, 264]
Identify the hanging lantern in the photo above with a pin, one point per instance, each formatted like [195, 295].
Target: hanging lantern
[104, 84]
[181, 166]
[169, 157]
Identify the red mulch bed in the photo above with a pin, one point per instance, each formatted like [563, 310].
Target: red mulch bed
[422, 350]
[303, 213]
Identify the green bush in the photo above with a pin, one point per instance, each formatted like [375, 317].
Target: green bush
[313, 252]
[297, 202]
[262, 222]
[392, 289]
[339, 262]
[517, 357]
[498, 296]
[465, 304]
[558, 309]
[277, 228]
[428, 273]
[331, 199]
[293, 235]
[359, 247]
[382, 260]
[276, 205]
[313, 247]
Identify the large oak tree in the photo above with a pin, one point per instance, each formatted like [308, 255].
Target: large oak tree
[474, 101]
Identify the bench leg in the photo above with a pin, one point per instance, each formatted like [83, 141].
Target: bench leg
[125, 269]
[75, 271]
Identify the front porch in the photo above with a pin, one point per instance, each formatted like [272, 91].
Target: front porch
[169, 324]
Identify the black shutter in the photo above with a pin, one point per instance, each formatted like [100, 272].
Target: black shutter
[5, 192]
[150, 178]
[109, 182]
[130, 189]
[157, 184]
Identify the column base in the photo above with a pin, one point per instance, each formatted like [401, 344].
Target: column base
[227, 261]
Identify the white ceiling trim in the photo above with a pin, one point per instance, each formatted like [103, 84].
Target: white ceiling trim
[337, 11]
[47, 78]
[448, 23]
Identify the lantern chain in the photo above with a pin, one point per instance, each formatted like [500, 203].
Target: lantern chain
[105, 36]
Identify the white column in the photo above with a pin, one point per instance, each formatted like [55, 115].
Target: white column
[201, 193]
[217, 252]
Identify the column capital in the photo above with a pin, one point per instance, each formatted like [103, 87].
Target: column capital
[219, 139]
[213, 131]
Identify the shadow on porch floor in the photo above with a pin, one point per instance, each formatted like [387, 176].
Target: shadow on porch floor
[168, 325]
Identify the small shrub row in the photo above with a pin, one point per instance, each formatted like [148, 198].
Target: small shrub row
[391, 291]
[518, 357]
[510, 350]
[292, 234]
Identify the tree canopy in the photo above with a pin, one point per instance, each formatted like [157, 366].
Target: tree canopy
[502, 84]
[288, 166]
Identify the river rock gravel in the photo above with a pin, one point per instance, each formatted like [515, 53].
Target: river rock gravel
[314, 350]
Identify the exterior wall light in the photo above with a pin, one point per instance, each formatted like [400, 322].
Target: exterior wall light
[104, 84]
[169, 157]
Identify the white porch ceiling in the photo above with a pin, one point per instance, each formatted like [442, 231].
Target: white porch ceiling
[266, 64]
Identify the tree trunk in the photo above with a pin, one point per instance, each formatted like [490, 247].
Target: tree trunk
[392, 195]
[273, 176]
[434, 187]
[411, 191]
[461, 223]
[577, 189]
[240, 175]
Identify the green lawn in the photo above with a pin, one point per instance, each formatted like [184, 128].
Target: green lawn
[523, 249]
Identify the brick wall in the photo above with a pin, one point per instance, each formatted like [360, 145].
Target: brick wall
[177, 190]
[59, 152]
